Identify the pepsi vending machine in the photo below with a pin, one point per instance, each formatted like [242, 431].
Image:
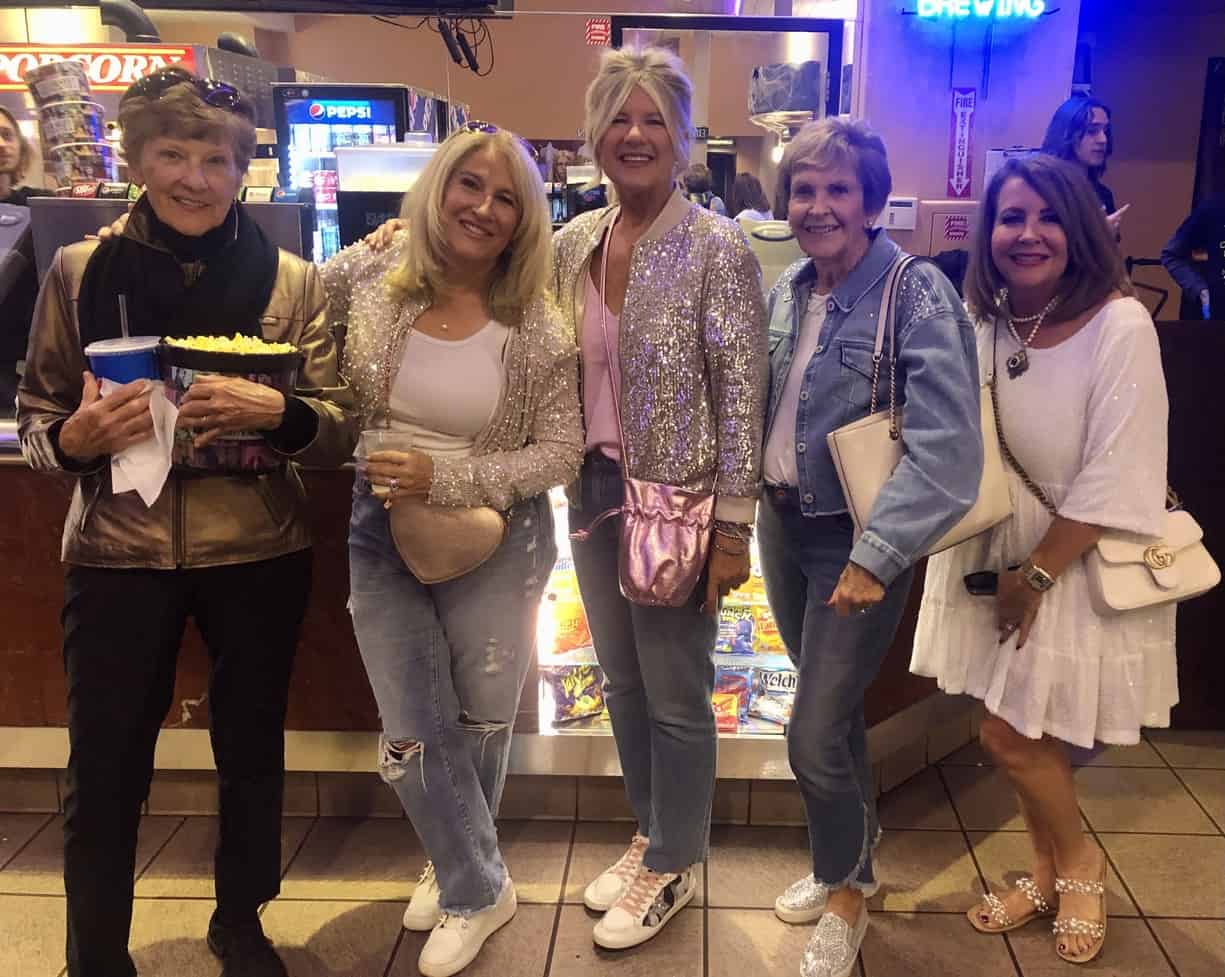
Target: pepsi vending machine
[312, 120]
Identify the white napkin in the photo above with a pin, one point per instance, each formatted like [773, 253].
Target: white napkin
[143, 467]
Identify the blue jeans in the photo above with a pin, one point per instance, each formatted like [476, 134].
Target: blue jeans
[837, 659]
[447, 664]
[658, 679]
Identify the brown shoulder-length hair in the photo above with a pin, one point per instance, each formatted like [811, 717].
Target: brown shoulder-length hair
[24, 153]
[1095, 268]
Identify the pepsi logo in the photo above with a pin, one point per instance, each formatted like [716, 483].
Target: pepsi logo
[316, 111]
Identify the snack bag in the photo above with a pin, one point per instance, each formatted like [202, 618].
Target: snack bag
[577, 691]
[767, 640]
[727, 711]
[737, 682]
[735, 630]
[773, 694]
[563, 602]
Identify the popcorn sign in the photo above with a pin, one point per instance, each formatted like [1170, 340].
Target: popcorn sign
[110, 68]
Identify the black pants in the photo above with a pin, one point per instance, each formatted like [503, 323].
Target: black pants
[122, 631]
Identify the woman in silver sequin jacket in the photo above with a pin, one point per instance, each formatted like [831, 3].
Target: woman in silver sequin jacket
[680, 292]
[452, 339]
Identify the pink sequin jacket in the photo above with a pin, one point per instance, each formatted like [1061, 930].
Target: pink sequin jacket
[535, 440]
[693, 350]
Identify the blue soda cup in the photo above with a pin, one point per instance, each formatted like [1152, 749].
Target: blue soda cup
[124, 360]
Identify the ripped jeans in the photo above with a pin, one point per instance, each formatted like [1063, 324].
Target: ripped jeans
[837, 659]
[447, 664]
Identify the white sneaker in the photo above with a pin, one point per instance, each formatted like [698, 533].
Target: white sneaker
[834, 946]
[804, 901]
[650, 901]
[456, 940]
[609, 886]
[422, 914]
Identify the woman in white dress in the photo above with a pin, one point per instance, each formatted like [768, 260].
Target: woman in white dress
[1082, 406]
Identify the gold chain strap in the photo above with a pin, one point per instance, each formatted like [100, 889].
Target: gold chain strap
[1008, 455]
[1172, 500]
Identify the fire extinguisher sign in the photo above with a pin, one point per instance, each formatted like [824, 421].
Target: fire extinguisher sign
[961, 143]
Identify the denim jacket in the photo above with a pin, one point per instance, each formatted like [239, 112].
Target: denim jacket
[937, 380]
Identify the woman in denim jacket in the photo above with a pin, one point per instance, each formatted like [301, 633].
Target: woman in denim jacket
[837, 599]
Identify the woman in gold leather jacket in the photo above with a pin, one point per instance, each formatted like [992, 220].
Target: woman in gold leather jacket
[230, 551]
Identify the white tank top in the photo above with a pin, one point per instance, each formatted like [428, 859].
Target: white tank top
[447, 391]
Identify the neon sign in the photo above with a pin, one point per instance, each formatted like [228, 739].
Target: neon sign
[981, 9]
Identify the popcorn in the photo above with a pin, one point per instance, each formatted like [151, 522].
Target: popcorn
[245, 345]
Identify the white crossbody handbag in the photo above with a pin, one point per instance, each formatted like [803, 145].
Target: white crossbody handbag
[1127, 571]
[865, 452]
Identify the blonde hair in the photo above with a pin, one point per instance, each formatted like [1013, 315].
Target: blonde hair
[833, 142]
[523, 269]
[659, 73]
[180, 113]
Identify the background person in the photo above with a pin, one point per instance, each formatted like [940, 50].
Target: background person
[1080, 132]
[699, 187]
[1203, 231]
[749, 199]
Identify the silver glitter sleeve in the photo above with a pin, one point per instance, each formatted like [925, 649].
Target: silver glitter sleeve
[737, 360]
[541, 413]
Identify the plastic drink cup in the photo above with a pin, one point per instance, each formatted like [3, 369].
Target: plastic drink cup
[125, 360]
[380, 439]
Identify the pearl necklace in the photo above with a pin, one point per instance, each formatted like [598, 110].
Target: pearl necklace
[1018, 362]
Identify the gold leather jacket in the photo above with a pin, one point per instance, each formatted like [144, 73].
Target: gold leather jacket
[197, 521]
[693, 350]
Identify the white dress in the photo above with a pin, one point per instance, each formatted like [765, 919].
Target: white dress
[1088, 422]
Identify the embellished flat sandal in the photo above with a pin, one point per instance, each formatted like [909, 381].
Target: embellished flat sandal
[1066, 926]
[992, 916]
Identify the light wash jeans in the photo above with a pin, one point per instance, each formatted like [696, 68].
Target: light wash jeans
[837, 659]
[447, 664]
[658, 679]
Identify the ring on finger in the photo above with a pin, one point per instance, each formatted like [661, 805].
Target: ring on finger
[393, 484]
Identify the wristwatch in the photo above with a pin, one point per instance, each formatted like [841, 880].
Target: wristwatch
[1036, 577]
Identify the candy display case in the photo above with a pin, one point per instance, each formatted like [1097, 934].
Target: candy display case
[754, 678]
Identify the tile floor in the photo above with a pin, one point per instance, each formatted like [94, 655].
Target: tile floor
[1158, 810]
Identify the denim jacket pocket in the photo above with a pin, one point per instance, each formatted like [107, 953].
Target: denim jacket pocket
[855, 378]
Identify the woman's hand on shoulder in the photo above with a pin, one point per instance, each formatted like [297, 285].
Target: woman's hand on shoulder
[379, 240]
[114, 229]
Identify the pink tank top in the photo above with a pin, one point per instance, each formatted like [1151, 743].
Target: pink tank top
[599, 375]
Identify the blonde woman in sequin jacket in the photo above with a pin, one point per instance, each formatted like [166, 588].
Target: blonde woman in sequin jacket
[451, 337]
[686, 317]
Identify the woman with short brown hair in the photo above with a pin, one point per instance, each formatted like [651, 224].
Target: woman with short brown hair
[230, 551]
[1007, 617]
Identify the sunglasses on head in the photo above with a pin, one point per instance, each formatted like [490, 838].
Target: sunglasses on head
[218, 94]
[488, 128]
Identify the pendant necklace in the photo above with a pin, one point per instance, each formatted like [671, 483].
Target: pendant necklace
[1018, 362]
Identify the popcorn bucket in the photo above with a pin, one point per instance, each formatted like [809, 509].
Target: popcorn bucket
[245, 452]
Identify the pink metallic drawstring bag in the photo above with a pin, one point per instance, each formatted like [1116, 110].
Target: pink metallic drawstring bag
[665, 530]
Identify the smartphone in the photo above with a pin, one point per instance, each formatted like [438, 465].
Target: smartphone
[984, 583]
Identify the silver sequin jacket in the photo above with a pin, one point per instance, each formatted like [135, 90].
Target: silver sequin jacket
[693, 350]
[535, 440]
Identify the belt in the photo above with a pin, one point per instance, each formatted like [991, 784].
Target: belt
[783, 495]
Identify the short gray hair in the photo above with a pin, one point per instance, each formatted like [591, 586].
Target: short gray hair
[659, 73]
[831, 142]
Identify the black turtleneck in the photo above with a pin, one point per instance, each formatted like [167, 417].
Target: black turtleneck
[191, 248]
